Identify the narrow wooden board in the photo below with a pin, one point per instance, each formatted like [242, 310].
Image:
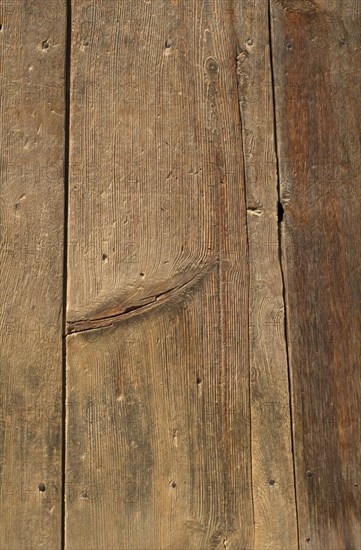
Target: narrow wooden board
[32, 65]
[316, 57]
[271, 438]
[158, 426]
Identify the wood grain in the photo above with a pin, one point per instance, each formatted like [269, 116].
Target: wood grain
[158, 424]
[271, 440]
[213, 274]
[316, 56]
[32, 61]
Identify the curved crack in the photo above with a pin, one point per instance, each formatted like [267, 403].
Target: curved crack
[148, 303]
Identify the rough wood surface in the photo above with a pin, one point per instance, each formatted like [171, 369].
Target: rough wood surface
[158, 428]
[32, 61]
[316, 57]
[271, 438]
[212, 271]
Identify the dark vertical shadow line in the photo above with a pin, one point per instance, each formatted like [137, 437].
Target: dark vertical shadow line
[280, 257]
[65, 255]
[241, 122]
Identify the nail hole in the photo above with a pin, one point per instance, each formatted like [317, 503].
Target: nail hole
[42, 487]
[172, 484]
[104, 258]
[84, 494]
[249, 41]
[308, 539]
[45, 45]
[167, 44]
[141, 274]
[280, 211]
[271, 482]
[199, 380]
[309, 473]
[289, 45]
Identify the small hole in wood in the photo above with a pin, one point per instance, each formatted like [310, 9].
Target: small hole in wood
[141, 274]
[289, 45]
[104, 258]
[199, 380]
[271, 482]
[167, 44]
[309, 474]
[45, 45]
[173, 484]
[42, 487]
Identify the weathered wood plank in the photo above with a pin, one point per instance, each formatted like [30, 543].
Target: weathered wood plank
[32, 46]
[316, 55]
[271, 439]
[158, 429]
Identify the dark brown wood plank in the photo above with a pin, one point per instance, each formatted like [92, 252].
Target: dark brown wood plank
[316, 56]
[271, 438]
[32, 62]
[158, 427]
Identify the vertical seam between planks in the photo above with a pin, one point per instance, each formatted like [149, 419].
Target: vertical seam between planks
[248, 286]
[281, 263]
[65, 255]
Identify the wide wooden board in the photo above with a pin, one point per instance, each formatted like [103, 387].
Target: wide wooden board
[158, 423]
[32, 66]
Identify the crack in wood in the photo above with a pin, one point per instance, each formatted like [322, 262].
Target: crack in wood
[67, 97]
[147, 304]
[280, 214]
